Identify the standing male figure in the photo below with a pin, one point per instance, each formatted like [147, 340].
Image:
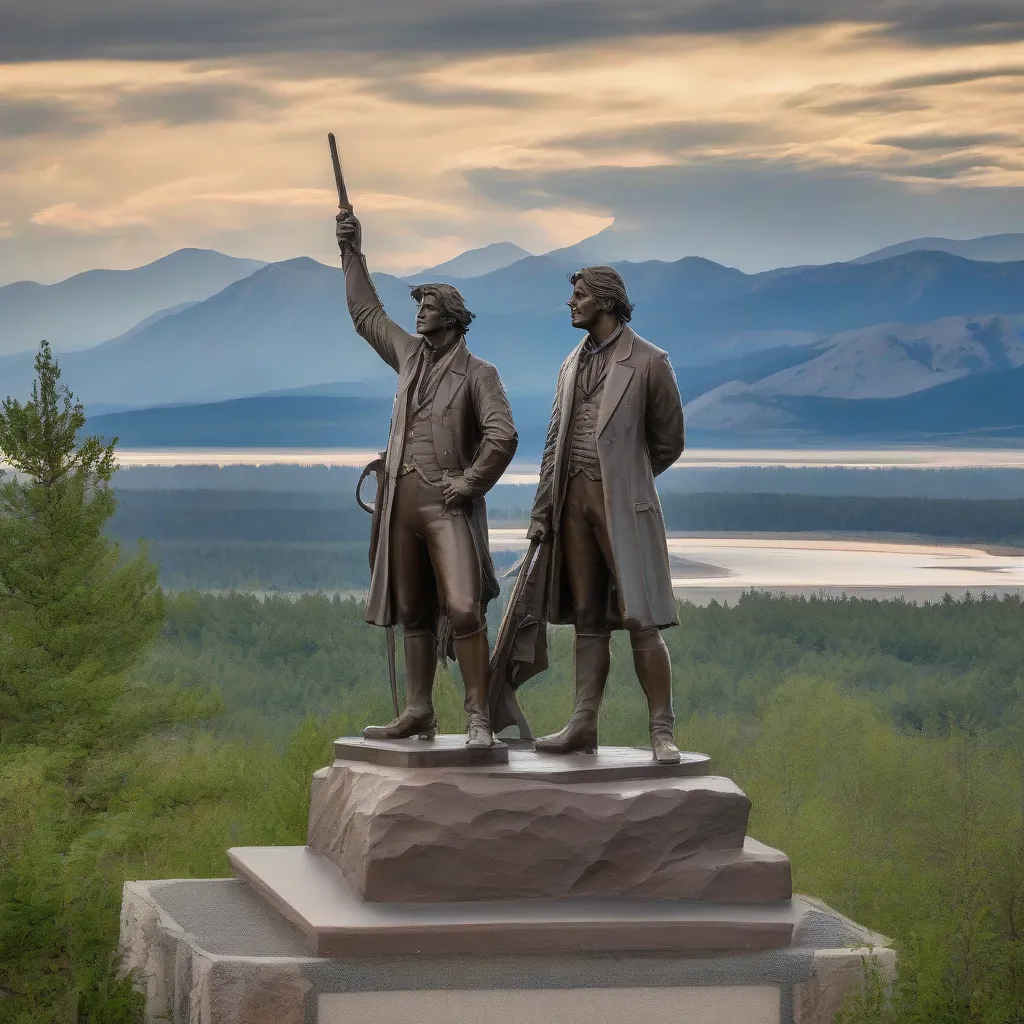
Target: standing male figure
[451, 438]
[617, 422]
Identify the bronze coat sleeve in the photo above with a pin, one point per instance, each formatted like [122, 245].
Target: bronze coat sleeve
[665, 435]
[544, 499]
[498, 437]
[389, 340]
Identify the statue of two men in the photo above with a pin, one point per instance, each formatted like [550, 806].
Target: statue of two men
[616, 423]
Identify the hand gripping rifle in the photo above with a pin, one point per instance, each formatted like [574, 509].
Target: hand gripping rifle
[339, 179]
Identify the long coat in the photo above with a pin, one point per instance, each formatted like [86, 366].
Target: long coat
[470, 421]
[639, 435]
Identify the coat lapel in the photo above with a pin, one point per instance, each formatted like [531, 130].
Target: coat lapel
[619, 376]
[568, 389]
[453, 378]
[564, 399]
[400, 412]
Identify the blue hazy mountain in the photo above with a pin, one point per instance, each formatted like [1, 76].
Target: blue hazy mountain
[294, 421]
[967, 382]
[99, 304]
[854, 379]
[992, 248]
[286, 326]
[473, 263]
[982, 406]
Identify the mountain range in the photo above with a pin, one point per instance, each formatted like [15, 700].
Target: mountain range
[474, 262]
[753, 352]
[92, 307]
[860, 380]
[992, 248]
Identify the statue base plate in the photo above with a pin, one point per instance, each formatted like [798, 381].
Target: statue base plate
[311, 893]
[608, 764]
[444, 751]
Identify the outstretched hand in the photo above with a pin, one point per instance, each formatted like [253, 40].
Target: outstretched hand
[349, 232]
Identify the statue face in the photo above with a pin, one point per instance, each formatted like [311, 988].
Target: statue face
[429, 318]
[584, 309]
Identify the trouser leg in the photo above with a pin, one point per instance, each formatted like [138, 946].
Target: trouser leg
[456, 565]
[654, 670]
[586, 565]
[413, 600]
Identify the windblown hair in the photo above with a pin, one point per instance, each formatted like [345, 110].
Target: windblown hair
[607, 286]
[449, 301]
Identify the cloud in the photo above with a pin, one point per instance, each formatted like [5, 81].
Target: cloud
[668, 137]
[187, 29]
[23, 118]
[938, 140]
[963, 22]
[420, 90]
[197, 103]
[78, 220]
[961, 77]
[897, 95]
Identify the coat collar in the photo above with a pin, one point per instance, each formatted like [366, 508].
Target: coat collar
[619, 376]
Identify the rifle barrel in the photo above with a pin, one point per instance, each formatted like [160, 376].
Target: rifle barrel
[339, 178]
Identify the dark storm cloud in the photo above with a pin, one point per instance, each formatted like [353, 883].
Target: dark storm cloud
[188, 29]
[21, 119]
[672, 137]
[962, 22]
[198, 103]
[949, 142]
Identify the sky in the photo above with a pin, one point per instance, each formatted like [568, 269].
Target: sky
[757, 133]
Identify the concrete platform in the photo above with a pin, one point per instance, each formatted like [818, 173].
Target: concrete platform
[311, 893]
[212, 951]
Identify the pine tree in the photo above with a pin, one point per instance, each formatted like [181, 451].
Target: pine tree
[75, 613]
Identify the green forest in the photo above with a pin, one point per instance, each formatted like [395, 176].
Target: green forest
[143, 732]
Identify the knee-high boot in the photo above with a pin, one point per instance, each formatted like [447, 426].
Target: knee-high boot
[473, 655]
[654, 670]
[418, 718]
[593, 659]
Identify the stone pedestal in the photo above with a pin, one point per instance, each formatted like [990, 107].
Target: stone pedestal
[442, 884]
[612, 824]
[212, 951]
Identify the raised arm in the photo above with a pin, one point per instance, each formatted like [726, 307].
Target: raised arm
[389, 340]
[665, 435]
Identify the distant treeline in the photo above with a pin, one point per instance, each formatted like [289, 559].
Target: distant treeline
[1000, 520]
[824, 480]
[319, 518]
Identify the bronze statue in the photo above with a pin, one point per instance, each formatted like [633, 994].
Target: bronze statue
[617, 422]
[452, 437]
